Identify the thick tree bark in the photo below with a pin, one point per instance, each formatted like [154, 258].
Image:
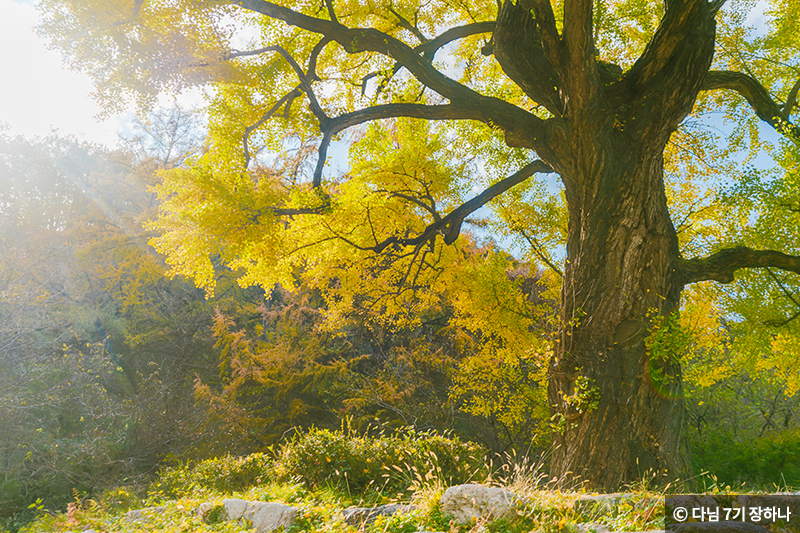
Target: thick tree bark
[617, 404]
[618, 409]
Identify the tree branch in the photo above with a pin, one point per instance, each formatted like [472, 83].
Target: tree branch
[757, 96]
[265, 117]
[580, 72]
[721, 265]
[522, 129]
[791, 100]
[438, 112]
[305, 82]
[518, 47]
[450, 225]
[404, 23]
[331, 12]
[429, 48]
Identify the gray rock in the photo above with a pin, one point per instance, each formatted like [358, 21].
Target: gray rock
[144, 515]
[211, 513]
[360, 516]
[716, 527]
[470, 502]
[264, 516]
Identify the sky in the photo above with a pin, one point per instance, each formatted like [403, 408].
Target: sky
[38, 93]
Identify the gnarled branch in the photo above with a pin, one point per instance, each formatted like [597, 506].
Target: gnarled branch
[721, 265]
[429, 48]
[523, 127]
[756, 95]
[450, 225]
[518, 47]
[429, 112]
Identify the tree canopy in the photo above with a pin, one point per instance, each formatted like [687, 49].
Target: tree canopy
[447, 107]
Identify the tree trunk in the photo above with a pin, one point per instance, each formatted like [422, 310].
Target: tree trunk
[618, 408]
[616, 399]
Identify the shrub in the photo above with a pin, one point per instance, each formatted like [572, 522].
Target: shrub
[761, 461]
[360, 464]
[223, 474]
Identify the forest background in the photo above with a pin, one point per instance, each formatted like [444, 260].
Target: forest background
[112, 368]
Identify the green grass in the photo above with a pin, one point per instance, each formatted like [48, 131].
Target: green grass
[546, 511]
[321, 473]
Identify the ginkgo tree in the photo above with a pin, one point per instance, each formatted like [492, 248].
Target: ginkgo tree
[449, 106]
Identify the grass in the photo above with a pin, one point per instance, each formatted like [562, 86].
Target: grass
[322, 473]
[540, 510]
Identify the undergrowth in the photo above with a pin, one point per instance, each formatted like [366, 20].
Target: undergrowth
[321, 473]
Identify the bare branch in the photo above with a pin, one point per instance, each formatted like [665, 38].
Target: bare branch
[757, 96]
[322, 156]
[305, 82]
[721, 265]
[428, 49]
[342, 122]
[312, 59]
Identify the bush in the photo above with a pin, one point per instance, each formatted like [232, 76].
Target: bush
[223, 474]
[762, 462]
[360, 464]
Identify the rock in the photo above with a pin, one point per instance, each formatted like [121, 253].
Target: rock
[264, 516]
[211, 513]
[716, 527]
[468, 502]
[144, 515]
[361, 516]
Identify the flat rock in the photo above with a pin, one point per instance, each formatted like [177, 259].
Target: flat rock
[359, 516]
[264, 516]
[470, 502]
[144, 515]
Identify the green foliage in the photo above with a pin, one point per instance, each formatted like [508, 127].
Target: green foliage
[120, 499]
[221, 474]
[360, 464]
[767, 462]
